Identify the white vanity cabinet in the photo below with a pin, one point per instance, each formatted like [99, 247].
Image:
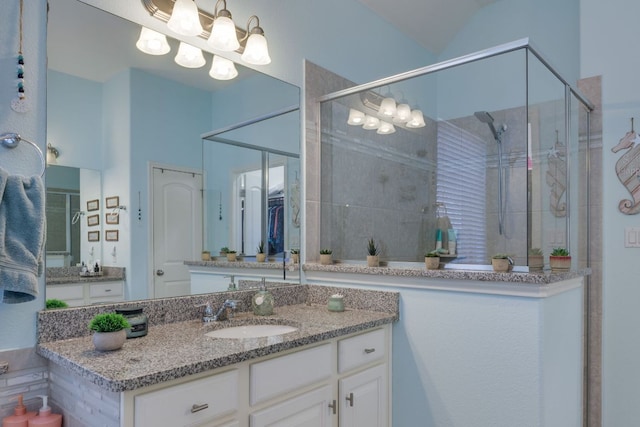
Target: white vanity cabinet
[341, 382]
[87, 293]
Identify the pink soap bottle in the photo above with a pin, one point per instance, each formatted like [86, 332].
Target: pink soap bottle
[45, 418]
[20, 417]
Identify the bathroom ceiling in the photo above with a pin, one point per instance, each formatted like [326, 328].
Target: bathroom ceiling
[431, 23]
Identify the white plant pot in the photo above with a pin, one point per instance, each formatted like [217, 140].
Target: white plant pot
[109, 341]
[373, 261]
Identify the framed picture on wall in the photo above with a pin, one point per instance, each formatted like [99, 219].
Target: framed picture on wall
[94, 236]
[93, 205]
[112, 202]
[93, 220]
[111, 235]
[111, 218]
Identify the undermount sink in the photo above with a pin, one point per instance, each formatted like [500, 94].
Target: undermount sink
[251, 331]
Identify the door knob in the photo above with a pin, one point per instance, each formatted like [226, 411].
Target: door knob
[160, 272]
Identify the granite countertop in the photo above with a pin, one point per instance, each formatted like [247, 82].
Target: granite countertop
[535, 278]
[244, 264]
[175, 350]
[66, 275]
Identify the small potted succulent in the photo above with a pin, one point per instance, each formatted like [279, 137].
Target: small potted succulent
[560, 260]
[261, 256]
[223, 251]
[231, 255]
[326, 256]
[432, 260]
[501, 263]
[295, 255]
[52, 304]
[536, 260]
[109, 331]
[373, 259]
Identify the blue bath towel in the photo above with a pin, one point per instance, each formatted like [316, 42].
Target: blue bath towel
[22, 236]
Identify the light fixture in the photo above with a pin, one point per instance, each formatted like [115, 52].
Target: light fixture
[356, 117]
[256, 51]
[417, 120]
[371, 122]
[152, 42]
[385, 128]
[222, 68]
[388, 107]
[223, 32]
[251, 42]
[189, 56]
[185, 18]
[403, 113]
[52, 155]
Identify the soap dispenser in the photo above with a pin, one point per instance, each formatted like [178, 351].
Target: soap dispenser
[45, 418]
[20, 417]
[262, 302]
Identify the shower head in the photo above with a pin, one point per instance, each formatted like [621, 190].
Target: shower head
[487, 118]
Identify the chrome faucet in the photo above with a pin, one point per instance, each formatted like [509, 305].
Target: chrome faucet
[225, 312]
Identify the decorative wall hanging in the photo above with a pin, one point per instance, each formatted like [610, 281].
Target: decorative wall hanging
[93, 205]
[111, 218]
[112, 202]
[557, 178]
[111, 235]
[628, 171]
[93, 236]
[93, 220]
[19, 103]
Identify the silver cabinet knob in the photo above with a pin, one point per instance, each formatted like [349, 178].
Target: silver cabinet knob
[159, 272]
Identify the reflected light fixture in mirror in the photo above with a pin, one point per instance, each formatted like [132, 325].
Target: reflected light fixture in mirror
[152, 42]
[223, 32]
[385, 128]
[403, 113]
[371, 122]
[185, 19]
[388, 107]
[417, 120]
[356, 117]
[222, 68]
[52, 155]
[189, 56]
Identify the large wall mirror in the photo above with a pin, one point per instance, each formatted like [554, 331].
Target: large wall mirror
[122, 114]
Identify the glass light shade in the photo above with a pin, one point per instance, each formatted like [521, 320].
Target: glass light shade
[356, 118]
[189, 56]
[256, 51]
[152, 42]
[385, 128]
[222, 68]
[223, 35]
[371, 122]
[185, 18]
[52, 155]
[403, 113]
[388, 107]
[417, 120]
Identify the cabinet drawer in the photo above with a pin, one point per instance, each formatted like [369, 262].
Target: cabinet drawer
[217, 395]
[283, 374]
[65, 292]
[361, 349]
[107, 289]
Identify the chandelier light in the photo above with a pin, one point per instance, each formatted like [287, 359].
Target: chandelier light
[189, 56]
[185, 18]
[152, 42]
[403, 113]
[371, 122]
[356, 117]
[223, 32]
[222, 68]
[385, 128]
[388, 107]
[417, 120]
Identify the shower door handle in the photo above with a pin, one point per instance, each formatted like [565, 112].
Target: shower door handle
[159, 272]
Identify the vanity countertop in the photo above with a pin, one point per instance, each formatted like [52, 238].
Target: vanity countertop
[175, 350]
[66, 275]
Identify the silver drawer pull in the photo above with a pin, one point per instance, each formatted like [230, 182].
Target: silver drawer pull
[369, 350]
[349, 399]
[333, 406]
[198, 408]
[107, 290]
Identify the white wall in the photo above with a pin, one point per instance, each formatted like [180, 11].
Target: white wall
[609, 42]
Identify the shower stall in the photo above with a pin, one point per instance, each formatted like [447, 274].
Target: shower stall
[482, 154]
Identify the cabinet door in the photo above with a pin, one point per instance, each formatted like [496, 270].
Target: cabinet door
[307, 410]
[363, 398]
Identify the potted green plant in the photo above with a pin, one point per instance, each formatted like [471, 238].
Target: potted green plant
[223, 251]
[52, 304]
[501, 263]
[326, 256]
[231, 255]
[432, 260]
[295, 255]
[109, 331]
[560, 260]
[372, 254]
[261, 256]
[536, 260]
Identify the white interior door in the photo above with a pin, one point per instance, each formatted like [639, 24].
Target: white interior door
[177, 229]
